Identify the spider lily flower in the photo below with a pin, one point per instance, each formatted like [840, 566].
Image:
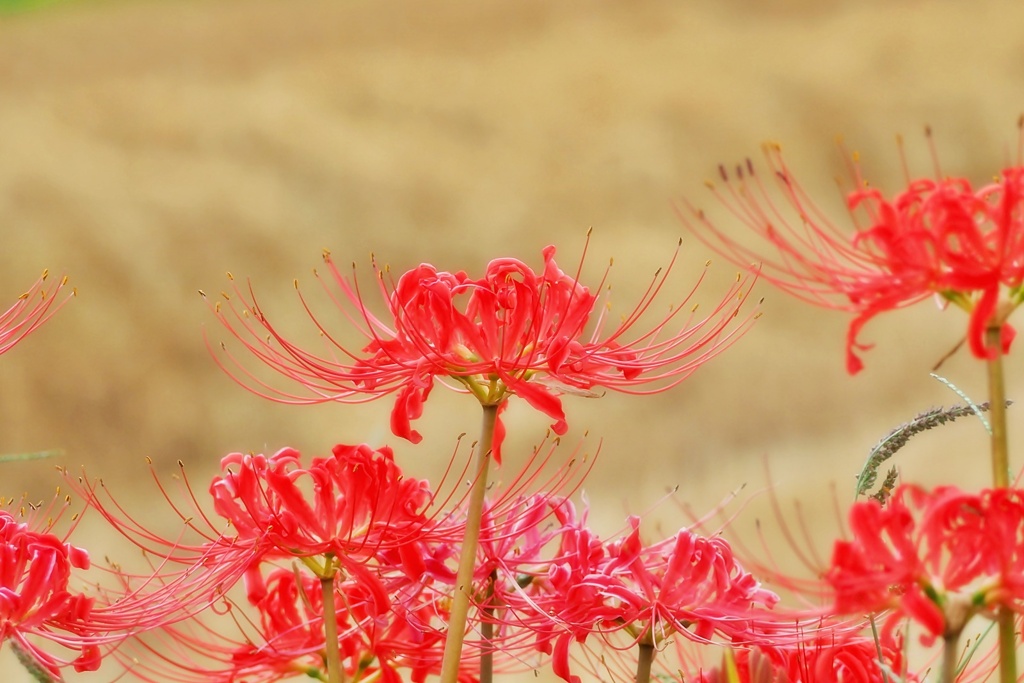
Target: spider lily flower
[686, 585]
[373, 641]
[938, 557]
[284, 638]
[32, 309]
[348, 506]
[185, 573]
[518, 539]
[281, 635]
[520, 530]
[37, 602]
[941, 237]
[513, 331]
[824, 659]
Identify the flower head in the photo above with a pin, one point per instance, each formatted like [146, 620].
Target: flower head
[350, 504]
[281, 635]
[184, 573]
[938, 556]
[941, 237]
[513, 331]
[823, 659]
[340, 513]
[36, 600]
[686, 585]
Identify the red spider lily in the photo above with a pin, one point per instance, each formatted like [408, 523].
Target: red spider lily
[184, 575]
[348, 506]
[822, 660]
[941, 237]
[865, 659]
[938, 556]
[519, 534]
[686, 585]
[519, 530]
[374, 639]
[32, 309]
[36, 601]
[286, 638]
[685, 582]
[517, 541]
[512, 331]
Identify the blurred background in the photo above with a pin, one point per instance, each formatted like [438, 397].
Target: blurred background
[147, 148]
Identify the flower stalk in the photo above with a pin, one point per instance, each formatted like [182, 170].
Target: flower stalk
[335, 673]
[950, 657]
[645, 660]
[487, 631]
[467, 560]
[997, 396]
[1001, 478]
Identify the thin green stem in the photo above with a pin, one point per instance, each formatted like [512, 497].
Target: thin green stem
[1001, 478]
[1007, 646]
[487, 632]
[878, 647]
[645, 659]
[335, 674]
[950, 657]
[467, 560]
[997, 407]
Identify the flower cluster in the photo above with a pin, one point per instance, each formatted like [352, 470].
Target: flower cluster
[342, 568]
[545, 581]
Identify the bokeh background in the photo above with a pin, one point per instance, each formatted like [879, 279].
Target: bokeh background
[148, 147]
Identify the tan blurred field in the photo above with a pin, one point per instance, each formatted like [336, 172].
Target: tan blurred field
[146, 148]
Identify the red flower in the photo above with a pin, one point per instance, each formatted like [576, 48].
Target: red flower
[686, 585]
[512, 331]
[938, 557]
[32, 309]
[371, 639]
[349, 505]
[280, 634]
[941, 237]
[823, 659]
[342, 512]
[182, 576]
[36, 602]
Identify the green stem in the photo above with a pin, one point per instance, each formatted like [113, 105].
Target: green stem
[467, 560]
[1001, 479]
[878, 647]
[335, 674]
[950, 656]
[645, 660]
[997, 407]
[1007, 646]
[487, 632]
